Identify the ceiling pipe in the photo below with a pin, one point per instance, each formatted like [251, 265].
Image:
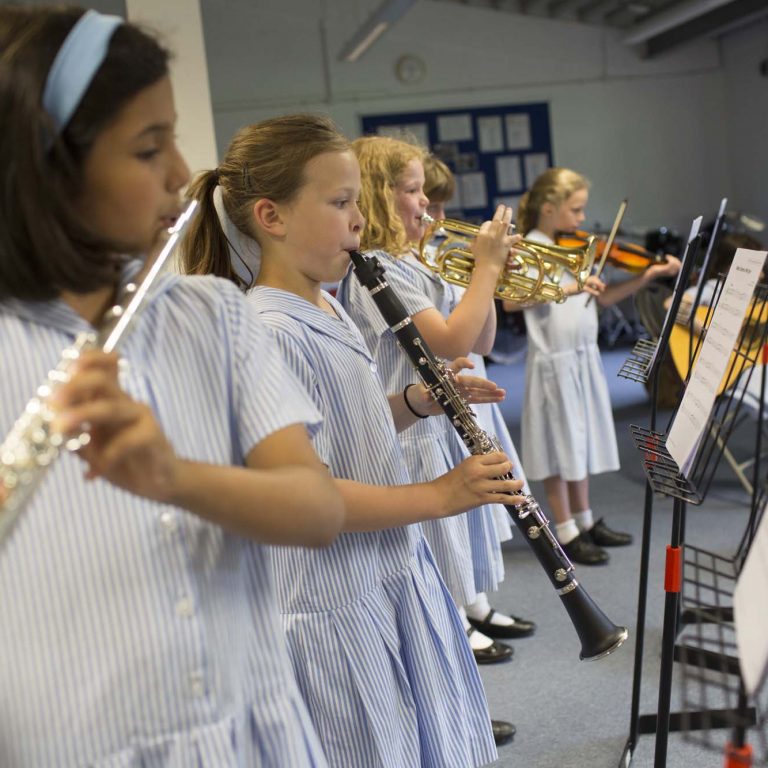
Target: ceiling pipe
[670, 18]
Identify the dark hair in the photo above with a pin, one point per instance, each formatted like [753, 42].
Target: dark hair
[264, 160]
[45, 247]
[726, 247]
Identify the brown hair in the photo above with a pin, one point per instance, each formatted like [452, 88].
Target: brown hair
[264, 160]
[554, 186]
[45, 247]
[382, 162]
[440, 183]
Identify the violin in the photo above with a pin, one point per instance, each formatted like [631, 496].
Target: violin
[627, 256]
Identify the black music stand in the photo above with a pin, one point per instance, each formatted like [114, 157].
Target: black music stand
[641, 366]
[708, 653]
[708, 650]
[666, 479]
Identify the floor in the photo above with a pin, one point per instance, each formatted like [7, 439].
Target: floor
[573, 714]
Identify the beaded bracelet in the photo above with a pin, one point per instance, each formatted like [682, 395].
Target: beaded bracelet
[409, 406]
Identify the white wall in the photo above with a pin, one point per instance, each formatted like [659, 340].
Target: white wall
[746, 118]
[179, 23]
[674, 134]
[641, 129]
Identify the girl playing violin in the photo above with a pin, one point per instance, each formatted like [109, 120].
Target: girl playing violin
[567, 422]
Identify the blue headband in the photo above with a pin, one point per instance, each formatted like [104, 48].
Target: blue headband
[75, 65]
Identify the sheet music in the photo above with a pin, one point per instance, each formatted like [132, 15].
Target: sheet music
[750, 615]
[715, 357]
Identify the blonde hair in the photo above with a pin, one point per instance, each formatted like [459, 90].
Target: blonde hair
[554, 186]
[440, 183]
[382, 162]
[264, 160]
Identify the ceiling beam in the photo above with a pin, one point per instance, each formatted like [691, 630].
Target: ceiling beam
[708, 24]
[591, 11]
[558, 7]
[671, 17]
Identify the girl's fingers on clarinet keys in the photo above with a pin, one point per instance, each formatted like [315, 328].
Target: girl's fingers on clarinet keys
[475, 389]
[476, 481]
[457, 365]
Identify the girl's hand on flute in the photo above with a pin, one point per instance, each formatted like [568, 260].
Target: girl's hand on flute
[126, 445]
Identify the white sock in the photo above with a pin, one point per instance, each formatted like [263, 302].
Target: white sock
[477, 640]
[567, 531]
[584, 520]
[481, 608]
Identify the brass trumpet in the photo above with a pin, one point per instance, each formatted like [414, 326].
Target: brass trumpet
[532, 274]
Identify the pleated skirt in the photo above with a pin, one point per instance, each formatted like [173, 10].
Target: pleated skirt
[274, 732]
[466, 547]
[389, 680]
[567, 421]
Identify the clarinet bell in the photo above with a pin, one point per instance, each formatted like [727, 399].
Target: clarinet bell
[598, 634]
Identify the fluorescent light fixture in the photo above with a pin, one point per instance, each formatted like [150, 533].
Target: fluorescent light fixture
[366, 42]
[673, 17]
[373, 28]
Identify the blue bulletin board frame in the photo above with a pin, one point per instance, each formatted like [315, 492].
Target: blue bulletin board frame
[495, 152]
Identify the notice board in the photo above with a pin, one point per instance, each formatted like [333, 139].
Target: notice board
[495, 152]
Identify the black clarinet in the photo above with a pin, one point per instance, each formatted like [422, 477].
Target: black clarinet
[598, 634]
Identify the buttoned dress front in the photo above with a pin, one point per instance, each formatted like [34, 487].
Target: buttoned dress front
[377, 644]
[567, 420]
[135, 633]
[466, 547]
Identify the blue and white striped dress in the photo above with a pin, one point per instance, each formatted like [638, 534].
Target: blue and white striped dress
[466, 547]
[134, 633]
[490, 419]
[567, 423]
[377, 645]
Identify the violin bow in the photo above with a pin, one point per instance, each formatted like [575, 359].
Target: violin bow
[609, 243]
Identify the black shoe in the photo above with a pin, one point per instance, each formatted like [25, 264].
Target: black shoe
[521, 627]
[583, 550]
[502, 732]
[493, 654]
[603, 536]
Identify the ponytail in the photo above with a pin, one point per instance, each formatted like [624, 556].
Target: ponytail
[205, 250]
[266, 160]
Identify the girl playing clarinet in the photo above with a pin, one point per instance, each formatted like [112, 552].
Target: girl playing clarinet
[376, 643]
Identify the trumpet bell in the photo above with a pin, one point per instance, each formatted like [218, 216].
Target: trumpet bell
[532, 274]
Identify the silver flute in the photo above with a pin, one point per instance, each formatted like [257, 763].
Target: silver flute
[33, 445]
